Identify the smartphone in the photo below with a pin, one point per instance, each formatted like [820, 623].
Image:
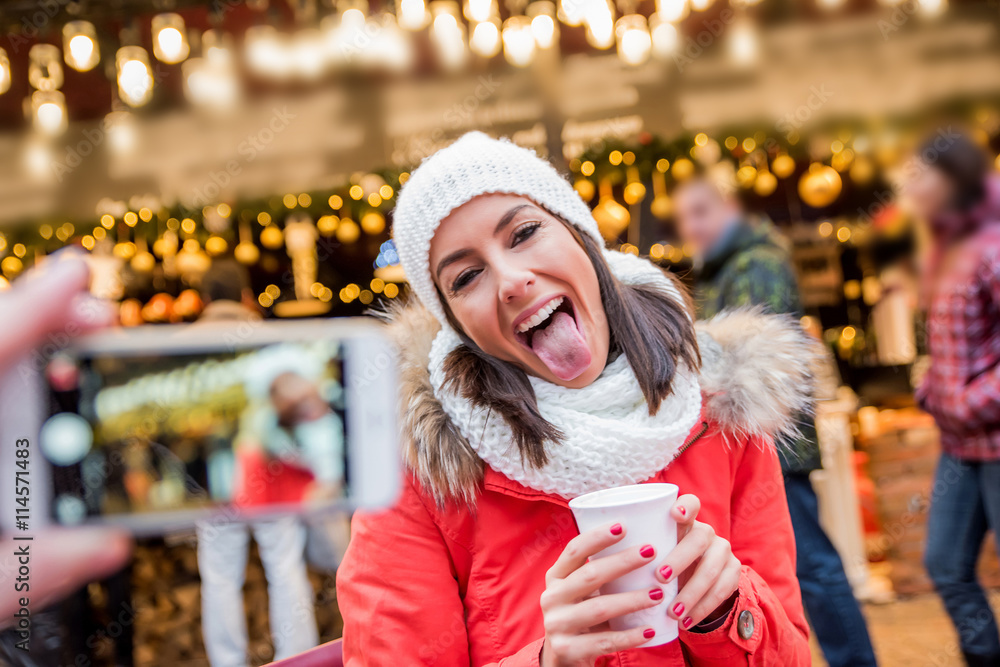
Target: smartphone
[155, 428]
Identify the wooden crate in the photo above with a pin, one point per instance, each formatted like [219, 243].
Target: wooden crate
[902, 459]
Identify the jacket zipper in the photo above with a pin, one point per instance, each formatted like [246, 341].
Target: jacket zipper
[696, 438]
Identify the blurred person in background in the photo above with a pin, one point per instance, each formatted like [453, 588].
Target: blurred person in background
[741, 260]
[223, 545]
[950, 185]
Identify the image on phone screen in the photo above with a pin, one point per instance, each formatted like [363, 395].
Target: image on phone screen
[252, 430]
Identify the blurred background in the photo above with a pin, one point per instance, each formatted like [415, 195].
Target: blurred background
[164, 136]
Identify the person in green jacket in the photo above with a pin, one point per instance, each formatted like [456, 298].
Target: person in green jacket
[740, 261]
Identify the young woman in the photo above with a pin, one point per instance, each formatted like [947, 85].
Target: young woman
[537, 367]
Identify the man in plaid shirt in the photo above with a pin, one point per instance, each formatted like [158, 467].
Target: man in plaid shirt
[953, 188]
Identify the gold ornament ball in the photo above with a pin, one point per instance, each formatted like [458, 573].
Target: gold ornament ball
[143, 262]
[745, 176]
[373, 223]
[634, 193]
[125, 250]
[11, 266]
[862, 171]
[348, 231]
[327, 224]
[662, 206]
[585, 188]
[820, 186]
[612, 218]
[683, 169]
[216, 245]
[783, 165]
[765, 184]
[246, 253]
[271, 237]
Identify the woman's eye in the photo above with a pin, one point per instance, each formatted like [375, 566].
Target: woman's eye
[523, 232]
[464, 279]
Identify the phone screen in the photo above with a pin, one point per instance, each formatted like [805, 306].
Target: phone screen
[251, 429]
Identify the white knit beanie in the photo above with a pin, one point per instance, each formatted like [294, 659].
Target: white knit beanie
[474, 165]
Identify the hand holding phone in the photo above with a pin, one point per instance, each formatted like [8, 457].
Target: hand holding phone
[52, 301]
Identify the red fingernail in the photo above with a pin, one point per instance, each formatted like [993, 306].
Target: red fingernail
[678, 609]
[648, 633]
[647, 551]
[656, 593]
[686, 622]
[666, 571]
[616, 529]
[682, 511]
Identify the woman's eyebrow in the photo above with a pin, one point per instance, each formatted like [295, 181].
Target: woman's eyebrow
[451, 259]
[507, 217]
[459, 254]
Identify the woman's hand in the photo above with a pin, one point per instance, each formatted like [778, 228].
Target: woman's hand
[709, 572]
[575, 615]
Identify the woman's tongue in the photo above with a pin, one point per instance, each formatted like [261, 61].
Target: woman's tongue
[561, 347]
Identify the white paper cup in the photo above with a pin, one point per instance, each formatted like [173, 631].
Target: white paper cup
[644, 511]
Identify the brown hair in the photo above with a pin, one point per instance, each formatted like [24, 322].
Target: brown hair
[653, 331]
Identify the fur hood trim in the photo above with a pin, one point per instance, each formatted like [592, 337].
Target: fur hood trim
[755, 378]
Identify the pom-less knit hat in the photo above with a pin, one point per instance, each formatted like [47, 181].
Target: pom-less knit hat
[472, 166]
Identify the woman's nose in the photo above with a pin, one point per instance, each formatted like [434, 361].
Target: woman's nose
[514, 283]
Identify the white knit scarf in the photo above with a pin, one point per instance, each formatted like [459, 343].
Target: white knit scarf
[609, 438]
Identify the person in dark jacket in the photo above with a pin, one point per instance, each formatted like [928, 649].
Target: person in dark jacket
[951, 185]
[742, 261]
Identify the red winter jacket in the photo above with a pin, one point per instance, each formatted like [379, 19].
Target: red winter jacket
[436, 581]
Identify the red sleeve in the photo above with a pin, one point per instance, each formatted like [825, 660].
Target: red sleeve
[399, 592]
[763, 541]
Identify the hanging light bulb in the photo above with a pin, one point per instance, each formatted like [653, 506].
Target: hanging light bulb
[217, 47]
[932, 8]
[700, 5]
[448, 34]
[210, 85]
[672, 10]
[663, 35]
[170, 43]
[308, 54]
[266, 52]
[571, 11]
[478, 11]
[45, 70]
[48, 112]
[634, 42]
[599, 20]
[39, 157]
[413, 14]
[391, 47]
[485, 40]
[135, 78]
[744, 44]
[80, 45]
[518, 41]
[121, 131]
[4, 72]
[543, 23]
